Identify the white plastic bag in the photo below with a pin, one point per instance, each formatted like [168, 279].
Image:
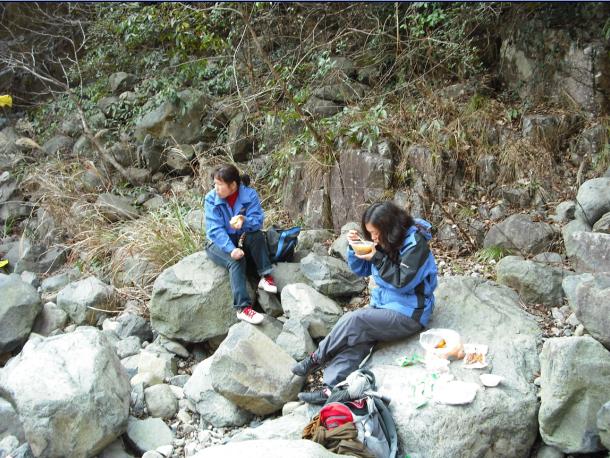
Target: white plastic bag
[456, 392]
[442, 343]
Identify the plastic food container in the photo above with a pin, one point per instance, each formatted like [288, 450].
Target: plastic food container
[361, 247]
[491, 380]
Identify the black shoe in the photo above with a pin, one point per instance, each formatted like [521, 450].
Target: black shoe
[314, 397]
[305, 367]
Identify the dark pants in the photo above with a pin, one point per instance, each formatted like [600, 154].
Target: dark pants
[355, 334]
[255, 247]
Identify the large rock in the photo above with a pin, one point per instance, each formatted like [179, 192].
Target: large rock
[268, 449]
[316, 311]
[179, 158]
[295, 339]
[213, 407]
[115, 208]
[343, 92]
[288, 426]
[50, 319]
[500, 421]
[83, 299]
[10, 425]
[288, 273]
[243, 372]
[574, 380]
[536, 283]
[593, 200]
[36, 258]
[71, 393]
[603, 424]
[179, 121]
[589, 297]
[121, 82]
[19, 307]
[519, 232]
[240, 138]
[192, 300]
[339, 246]
[567, 233]
[148, 434]
[359, 177]
[331, 276]
[590, 251]
[58, 145]
[603, 224]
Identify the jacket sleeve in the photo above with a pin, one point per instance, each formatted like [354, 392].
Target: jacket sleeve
[359, 266]
[254, 214]
[215, 226]
[410, 262]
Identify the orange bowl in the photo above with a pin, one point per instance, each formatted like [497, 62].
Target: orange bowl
[361, 248]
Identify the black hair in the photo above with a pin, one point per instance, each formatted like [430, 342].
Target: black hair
[392, 223]
[229, 174]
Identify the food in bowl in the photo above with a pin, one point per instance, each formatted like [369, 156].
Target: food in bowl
[235, 220]
[362, 247]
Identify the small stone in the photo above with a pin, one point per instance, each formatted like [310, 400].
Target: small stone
[188, 429]
[165, 450]
[556, 313]
[572, 320]
[555, 331]
[567, 332]
[537, 381]
[204, 437]
[580, 330]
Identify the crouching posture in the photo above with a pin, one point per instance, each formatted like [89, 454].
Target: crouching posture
[401, 304]
[233, 219]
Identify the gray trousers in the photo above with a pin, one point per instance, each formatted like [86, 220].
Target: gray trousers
[354, 335]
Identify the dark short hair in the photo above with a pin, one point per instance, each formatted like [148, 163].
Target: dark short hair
[229, 174]
[392, 223]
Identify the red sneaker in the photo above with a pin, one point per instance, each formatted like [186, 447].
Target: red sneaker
[267, 283]
[249, 315]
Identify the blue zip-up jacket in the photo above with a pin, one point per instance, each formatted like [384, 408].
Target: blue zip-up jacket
[407, 287]
[218, 213]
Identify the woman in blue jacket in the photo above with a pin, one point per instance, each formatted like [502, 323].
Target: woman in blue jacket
[401, 304]
[233, 220]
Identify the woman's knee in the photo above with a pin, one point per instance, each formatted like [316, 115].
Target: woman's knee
[236, 264]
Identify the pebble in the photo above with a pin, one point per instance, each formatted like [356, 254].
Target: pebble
[580, 330]
[537, 381]
[567, 332]
[572, 320]
[556, 313]
[203, 437]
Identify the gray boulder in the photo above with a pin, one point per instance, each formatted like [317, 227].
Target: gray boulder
[10, 425]
[564, 211]
[603, 424]
[303, 303]
[179, 121]
[519, 232]
[71, 367]
[501, 419]
[160, 401]
[195, 220]
[549, 258]
[295, 339]
[50, 319]
[590, 251]
[192, 300]
[130, 324]
[179, 158]
[36, 258]
[589, 296]
[83, 299]
[574, 386]
[115, 208]
[300, 448]
[213, 407]
[320, 108]
[288, 426]
[593, 200]
[243, 372]
[536, 283]
[19, 307]
[603, 224]
[339, 246]
[288, 273]
[331, 276]
[121, 82]
[59, 144]
[343, 92]
[128, 347]
[240, 138]
[131, 269]
[567, 233]
[106, 104]
[270, 303]
[148, 434]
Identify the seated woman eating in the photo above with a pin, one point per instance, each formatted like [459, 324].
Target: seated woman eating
[405, 275]
[233, 220]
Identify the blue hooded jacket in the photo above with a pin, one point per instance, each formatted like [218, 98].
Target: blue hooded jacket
[408, 286]
[218, 213]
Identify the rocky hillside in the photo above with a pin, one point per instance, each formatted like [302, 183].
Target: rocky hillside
[489, 120]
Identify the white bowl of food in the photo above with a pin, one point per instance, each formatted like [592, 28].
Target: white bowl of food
[491, 380]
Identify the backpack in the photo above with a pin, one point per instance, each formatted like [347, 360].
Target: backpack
[282, 243]
[371, 415]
